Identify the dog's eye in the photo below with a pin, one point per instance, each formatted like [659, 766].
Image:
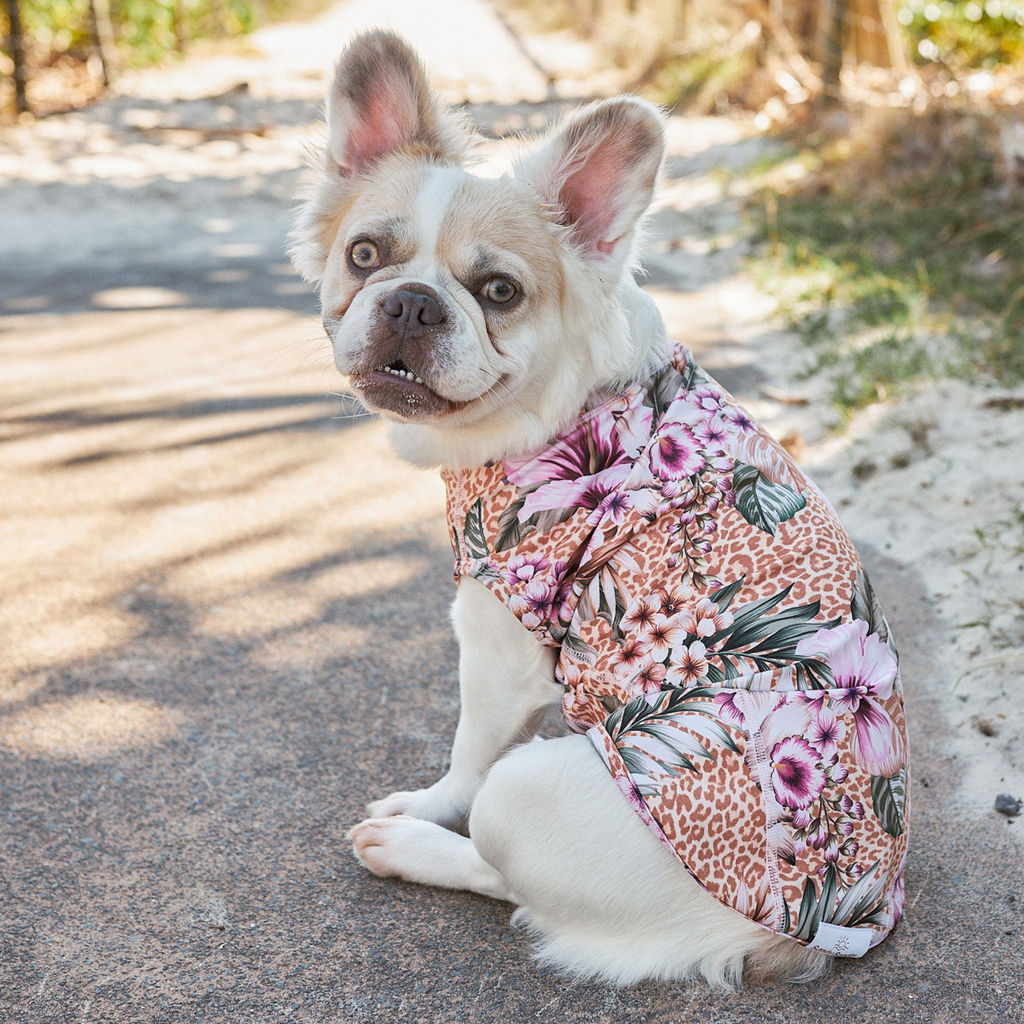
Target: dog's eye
[498, 289]
[364, 255]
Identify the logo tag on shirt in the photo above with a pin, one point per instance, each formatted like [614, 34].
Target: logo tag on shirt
[839, 941]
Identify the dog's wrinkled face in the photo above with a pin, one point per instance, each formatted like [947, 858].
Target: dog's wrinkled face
[452, 299]
[431, 287]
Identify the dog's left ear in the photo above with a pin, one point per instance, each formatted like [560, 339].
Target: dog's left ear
[380, 103]
[598, 171]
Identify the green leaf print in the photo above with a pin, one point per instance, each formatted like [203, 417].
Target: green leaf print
[767, 641]
[889, 798]
[762, 503]
[578, 648]
[864, 605]
[611, 608]
[510, 530]
[863, 903]
[660, 737]
[473, 532]
[665, 386]
[814, 907]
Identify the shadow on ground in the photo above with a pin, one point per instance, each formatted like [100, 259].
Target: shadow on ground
[262, 645]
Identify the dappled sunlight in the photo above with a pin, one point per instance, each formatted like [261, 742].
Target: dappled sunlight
[87, 727]
[138, 298]
[67, 627]
[155, 483]
[17, 690]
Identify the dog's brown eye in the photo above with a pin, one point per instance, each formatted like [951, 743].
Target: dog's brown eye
[364, 255]
[498, 289]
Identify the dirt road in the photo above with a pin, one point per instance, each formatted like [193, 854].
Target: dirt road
[223, 617]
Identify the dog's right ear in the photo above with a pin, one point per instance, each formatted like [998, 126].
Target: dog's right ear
[597, 172]
[380, 103]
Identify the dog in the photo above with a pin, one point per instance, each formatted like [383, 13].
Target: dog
[732, 793]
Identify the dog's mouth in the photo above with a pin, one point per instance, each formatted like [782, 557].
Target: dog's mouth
[397, 389]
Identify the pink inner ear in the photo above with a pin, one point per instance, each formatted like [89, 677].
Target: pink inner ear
[387, 122]
[592, 196]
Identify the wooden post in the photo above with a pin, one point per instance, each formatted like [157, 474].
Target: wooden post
[17, 40]
[103, 37]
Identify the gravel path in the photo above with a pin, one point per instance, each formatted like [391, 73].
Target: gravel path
[224, 601]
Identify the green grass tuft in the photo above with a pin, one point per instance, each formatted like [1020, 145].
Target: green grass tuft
[901, 258]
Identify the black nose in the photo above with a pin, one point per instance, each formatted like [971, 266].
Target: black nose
[413, 310]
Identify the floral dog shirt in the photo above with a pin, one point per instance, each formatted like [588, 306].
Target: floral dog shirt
[718, 642]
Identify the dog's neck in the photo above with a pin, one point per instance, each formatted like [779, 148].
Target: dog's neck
[623, 343]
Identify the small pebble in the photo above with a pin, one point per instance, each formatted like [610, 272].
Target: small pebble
[1008, 805]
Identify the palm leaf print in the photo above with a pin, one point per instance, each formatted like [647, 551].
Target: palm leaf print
[660, 738]
[889, 799]
[766, 641]
[473, 532]
[863, 903]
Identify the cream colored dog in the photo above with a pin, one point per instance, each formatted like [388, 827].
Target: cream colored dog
[478, 315]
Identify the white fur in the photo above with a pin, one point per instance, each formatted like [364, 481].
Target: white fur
[548, 828]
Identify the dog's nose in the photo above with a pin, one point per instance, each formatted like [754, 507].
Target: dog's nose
[413, 310]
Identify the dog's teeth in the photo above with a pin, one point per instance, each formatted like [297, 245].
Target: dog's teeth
[406, 374]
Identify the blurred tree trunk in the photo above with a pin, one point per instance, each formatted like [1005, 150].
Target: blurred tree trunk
[761, 11]
[17, 55]
[103, 37]
[894, 36]
[180, 25]
[832, 51]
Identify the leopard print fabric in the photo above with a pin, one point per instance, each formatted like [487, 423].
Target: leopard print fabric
[719, 642]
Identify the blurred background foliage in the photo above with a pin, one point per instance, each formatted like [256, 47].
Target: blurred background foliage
[965, 34]
[144, 30]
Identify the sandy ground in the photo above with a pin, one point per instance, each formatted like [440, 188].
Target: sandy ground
[224, 601]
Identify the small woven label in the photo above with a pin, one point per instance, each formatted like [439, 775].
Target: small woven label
[839, 941]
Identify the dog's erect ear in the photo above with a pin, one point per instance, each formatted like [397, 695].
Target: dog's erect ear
[380, 103]
[598, 172]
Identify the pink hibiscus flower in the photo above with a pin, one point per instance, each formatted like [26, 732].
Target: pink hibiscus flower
[797, 776]
[864, 671]
[825, 733]
[704, 619]
[629, 657]
[522, 569]
[728, 710]
[641, 614]
[675, 453]
[648, 679]
[578, 470]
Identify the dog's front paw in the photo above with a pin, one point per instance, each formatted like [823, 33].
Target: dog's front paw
[398, 847]
[433, 804]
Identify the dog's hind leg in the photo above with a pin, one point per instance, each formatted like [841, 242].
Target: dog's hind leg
[420, 851]
[602, 894]
[506, 681]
